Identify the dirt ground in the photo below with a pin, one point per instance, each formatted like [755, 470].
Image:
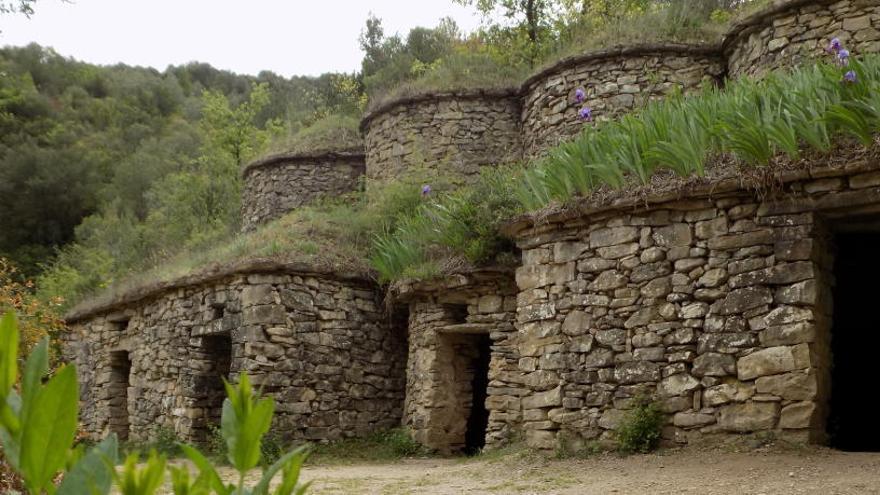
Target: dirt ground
[821, 471]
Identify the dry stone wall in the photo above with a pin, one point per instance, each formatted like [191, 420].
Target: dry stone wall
[718, 306]
[446, 320]
[321, 345]
[791, 32]
[282, 183]
[460, 132]
[614, 81]
[452, 133]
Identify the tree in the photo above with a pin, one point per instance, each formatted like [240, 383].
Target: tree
[25, 7]
[233, 130]
[532, 15]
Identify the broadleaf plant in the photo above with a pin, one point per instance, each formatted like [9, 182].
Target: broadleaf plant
[38, 421]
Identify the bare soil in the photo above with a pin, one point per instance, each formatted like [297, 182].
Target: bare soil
[688, 471]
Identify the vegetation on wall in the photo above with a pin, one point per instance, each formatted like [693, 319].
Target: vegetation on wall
[747, 124]
[109, 172]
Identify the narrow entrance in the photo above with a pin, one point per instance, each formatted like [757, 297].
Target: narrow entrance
[120, 381]
[478, 420]
[218, 352]
[855, 337]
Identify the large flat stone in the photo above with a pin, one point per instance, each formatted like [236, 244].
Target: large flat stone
[772, 361]
[749, 416]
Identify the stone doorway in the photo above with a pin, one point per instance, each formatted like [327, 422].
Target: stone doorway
[478, 418]
[213, 361]
[463, 389]
[855, 338]
[117, 388]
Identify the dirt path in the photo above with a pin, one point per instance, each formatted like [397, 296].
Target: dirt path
[683, 472]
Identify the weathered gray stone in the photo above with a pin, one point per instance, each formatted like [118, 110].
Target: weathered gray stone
[714, 364]
[772, 361]
[637, 372]
[798, 415]
[576, 323]
[796, 333]
[790, 386]
[608, 280]
[692, 420]
[611, 236]
[741, 300]
[749, 416]
[550, 398]
[677, 384]
[728, 392]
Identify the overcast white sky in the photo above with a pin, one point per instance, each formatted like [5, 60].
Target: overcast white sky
[305, 37]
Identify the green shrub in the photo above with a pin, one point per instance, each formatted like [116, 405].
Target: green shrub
[380, 446]
[640, 429]
[163, 440]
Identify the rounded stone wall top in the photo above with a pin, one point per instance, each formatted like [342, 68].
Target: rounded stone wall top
[790, 32]
[434, 96]
[255, 266]
[282, 183]
[293, 157]
[613, 81]
[455, 133]
[620, 51]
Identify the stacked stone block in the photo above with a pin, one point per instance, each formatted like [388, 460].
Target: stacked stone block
[615, 81]
[320, 345]
[790, 33]
[719, 307]
[442, 317]
[454, 134]
[282, 183]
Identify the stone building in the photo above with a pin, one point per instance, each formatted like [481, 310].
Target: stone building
[278, 184]
[736, 303]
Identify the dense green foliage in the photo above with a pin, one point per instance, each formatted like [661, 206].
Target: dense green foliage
[748, 123]
[38, 422]
[133, 164]
[640, 430]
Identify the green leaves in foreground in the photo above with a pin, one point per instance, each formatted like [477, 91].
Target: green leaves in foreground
[37, 427]
[244, 422]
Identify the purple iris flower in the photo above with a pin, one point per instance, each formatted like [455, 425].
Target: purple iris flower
[843, 56]
[579, 95]
[586, 114]
[426, 190]
[850, 76]
[835, 45]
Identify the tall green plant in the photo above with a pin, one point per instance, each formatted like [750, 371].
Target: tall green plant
[38, 420]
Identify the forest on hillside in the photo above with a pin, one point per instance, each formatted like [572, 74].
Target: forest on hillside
[106, 171]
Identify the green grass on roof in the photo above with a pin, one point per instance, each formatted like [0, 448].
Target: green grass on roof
[746, 125]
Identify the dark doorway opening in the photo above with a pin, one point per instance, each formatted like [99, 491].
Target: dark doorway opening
[478, 419]
[855, 336]
[218, 352]
[120, 381]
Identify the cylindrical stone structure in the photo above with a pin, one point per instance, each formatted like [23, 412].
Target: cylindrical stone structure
[455, 133]
[615, 81]
[790, 32]
[278, 184]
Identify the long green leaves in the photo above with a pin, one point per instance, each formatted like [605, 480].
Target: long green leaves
[751, 120]
[245, 419]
